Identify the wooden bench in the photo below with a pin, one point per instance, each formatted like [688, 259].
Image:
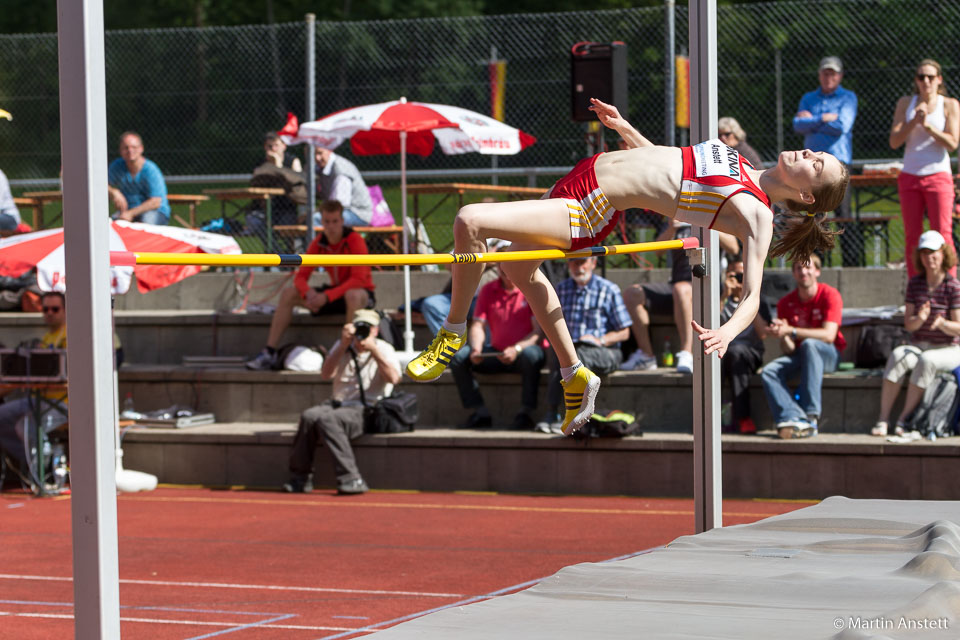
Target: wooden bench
[35, 205]
[874, 226]
[389, 233]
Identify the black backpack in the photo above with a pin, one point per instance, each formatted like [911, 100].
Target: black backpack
[937, 412]
[875, 344]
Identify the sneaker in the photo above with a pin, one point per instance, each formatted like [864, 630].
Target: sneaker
[879, 429]
[547, 422]
[434, 359]
[479, 419]
[262, 361]
[522, 422]
[578, 396]
[684, 362]
[352, 487]
[790, 429]
[299, 484]
[639, 361]
[808, 431]
[746, 425]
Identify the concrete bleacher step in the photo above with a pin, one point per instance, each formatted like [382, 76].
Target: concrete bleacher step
[656, 464]
[661, 400]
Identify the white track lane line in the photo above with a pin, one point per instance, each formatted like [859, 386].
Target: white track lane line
[264, 587]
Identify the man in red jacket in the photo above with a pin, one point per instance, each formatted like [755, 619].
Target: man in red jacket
[350, 288]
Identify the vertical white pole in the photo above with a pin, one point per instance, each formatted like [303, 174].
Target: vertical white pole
[83, 135]
[707, 488]
[310, 116]
[670, 79]
[407, 326]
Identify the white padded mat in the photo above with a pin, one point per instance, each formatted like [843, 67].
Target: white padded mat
[843, 569]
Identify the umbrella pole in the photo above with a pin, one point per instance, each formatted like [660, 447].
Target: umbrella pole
[407, 327]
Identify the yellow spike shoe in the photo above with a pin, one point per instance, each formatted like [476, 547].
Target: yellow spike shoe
[579, 395]
[434, 359]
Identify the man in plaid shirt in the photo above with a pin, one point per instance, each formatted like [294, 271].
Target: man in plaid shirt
[598, 321]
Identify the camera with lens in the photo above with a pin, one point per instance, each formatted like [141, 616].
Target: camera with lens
[362, 330]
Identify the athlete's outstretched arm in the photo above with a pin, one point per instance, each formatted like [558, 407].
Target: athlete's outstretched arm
[610, 116]
[758, 232]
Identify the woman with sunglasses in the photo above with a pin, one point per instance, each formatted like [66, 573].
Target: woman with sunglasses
[928, 123]
[732, 134]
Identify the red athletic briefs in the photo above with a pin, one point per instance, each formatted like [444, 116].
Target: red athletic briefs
[592, 217]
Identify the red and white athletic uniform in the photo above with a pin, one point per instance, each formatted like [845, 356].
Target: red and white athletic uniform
[712, 173]
[592, 217]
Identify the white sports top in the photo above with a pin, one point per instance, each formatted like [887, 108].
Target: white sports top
[923, 155]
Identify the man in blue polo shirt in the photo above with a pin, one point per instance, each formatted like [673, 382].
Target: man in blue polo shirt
[825, 119]
[137, 188]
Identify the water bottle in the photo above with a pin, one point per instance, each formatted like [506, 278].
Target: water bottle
[59, 465]
[667, 355]
[128, 411]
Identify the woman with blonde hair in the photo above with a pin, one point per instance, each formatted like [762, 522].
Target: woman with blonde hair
[706, 184]
[932, 317]
[732, 134]
[928, 123]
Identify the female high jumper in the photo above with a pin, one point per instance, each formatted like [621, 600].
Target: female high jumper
[707, 185]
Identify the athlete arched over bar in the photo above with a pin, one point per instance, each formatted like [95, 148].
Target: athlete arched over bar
[707, 184]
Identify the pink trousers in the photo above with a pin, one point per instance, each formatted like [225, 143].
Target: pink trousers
[933, 194]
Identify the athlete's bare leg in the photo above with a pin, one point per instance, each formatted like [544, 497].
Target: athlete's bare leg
[532, 223]
[543, 301]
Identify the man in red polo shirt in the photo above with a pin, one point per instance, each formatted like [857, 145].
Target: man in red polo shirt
[514, 345]
[808, 325]
[350, 288]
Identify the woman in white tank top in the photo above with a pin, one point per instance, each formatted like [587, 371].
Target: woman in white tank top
[928, 122]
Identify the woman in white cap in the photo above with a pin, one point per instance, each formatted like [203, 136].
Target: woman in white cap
[928, 123]
[932, 317]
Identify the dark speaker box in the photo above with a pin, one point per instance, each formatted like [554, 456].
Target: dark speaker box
[597, 70]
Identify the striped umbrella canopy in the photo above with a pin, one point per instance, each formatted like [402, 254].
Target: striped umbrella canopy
[44, 250]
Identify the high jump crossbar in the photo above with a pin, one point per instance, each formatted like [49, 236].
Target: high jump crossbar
[133, 258]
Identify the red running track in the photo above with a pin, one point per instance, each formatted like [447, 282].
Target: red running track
[199, 563]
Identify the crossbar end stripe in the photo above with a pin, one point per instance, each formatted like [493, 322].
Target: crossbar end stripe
[290, 259]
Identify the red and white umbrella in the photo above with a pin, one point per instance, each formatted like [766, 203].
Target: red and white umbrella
[45, 251]
[415, 127]
[374, 130]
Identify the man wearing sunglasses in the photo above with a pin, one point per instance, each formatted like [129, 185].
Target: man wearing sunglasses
[13, 411]
[825, 119]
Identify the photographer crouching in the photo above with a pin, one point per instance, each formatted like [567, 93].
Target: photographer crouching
[339, 420]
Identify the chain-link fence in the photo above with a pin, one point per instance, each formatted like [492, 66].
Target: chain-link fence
[203, 98]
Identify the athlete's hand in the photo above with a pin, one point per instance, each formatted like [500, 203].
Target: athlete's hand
[606, 113]
[712, 339]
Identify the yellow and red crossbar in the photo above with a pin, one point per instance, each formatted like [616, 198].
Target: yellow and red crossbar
[133, 258]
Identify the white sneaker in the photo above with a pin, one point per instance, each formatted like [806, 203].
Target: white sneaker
[639, 361]
[684, 362]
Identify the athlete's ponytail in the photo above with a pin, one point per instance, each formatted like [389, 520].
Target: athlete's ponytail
[806, 233]
[810, 233]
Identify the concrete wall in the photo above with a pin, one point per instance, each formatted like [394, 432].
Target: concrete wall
[860, 287]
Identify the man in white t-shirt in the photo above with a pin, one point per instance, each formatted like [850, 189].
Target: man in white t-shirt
[339, 420]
